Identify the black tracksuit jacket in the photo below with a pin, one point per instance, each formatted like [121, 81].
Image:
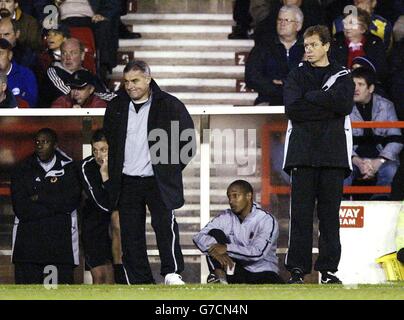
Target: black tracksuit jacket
[95, 189]
[44, 232]
[316, 135]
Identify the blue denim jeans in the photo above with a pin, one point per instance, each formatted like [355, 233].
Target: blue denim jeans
[384, 176]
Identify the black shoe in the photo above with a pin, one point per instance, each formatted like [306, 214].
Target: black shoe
[237, 36]
[329, 278]
[296, 276]
[124, 33]
[238, 33]
[129, 35]
[119, 274]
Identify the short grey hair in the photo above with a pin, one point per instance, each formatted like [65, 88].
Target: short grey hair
[136, 65]
[299, 16]
[76, 41]
[3, 77]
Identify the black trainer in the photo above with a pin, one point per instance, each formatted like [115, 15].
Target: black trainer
[212, 278]
[329, 278]
[296, 276]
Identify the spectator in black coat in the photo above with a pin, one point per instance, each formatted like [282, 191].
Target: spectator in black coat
[312, 11]
[269, 64]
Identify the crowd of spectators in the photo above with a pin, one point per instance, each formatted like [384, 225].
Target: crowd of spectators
[44, 42]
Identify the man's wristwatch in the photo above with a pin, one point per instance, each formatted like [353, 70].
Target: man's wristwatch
[382, 160]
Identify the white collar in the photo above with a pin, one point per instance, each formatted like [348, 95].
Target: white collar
[47, 165]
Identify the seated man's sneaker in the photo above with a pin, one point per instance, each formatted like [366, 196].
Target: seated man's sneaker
[212, 278]
[173, 279]
[296, 276]
[329, 278]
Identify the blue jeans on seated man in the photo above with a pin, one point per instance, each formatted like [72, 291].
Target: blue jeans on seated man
[384, 177]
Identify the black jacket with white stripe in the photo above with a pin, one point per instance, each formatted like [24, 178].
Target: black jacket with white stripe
[319, 131]
[45, 203]
[96, 190]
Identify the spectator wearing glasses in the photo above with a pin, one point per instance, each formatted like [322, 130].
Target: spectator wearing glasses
[268, 64]
[312, 12]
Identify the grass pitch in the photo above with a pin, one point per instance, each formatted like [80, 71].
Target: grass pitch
[388, 291]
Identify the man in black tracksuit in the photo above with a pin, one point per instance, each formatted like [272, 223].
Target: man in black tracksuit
[45, 192]
[318, 97]
[100, 227]
[151, 139]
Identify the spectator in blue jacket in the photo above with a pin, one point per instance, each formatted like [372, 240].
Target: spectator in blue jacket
[21, 80]
[268, 64]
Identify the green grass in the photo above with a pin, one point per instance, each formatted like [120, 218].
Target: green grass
[389, 291]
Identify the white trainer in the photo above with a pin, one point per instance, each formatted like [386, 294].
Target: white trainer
[173, 279]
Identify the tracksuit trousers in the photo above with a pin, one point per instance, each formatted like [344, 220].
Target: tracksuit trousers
[136, 194]
[310, 186]
[241, 275]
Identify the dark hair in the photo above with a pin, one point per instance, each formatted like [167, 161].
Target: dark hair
[322, 31]
[49, 132]
[368, 75]
[137, 65]
[98, 135]
[244, 185]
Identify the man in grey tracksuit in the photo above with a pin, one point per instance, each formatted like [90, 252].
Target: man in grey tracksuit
[242, 238]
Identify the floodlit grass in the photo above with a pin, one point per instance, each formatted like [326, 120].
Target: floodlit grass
[389, 291]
